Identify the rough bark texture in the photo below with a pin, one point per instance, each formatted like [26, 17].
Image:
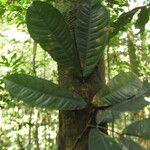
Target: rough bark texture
[73, 123]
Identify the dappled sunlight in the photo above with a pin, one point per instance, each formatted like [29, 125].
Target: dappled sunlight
[92, 69]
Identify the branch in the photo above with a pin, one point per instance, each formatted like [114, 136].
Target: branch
[104, 128]
[101, 107]
[83, 132]
[80, 136]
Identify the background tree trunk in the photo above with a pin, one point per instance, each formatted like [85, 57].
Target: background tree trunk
[134, 63]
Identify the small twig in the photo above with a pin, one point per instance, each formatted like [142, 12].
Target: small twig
[88, 123]
[80, 136]
[83, 132]
[101, 107]
[118, 133]
[104, 128]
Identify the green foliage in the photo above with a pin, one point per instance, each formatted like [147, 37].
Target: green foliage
[139, 128]
[130, 144]
[143, 18]
[13, 11]
[91, 33]
[125, 18]
[123, 93]
[146, 86]
[47, 27]
[2, 9]
[42, 93]
[122, 87]
[133, 104]
[13, 62]
[15, 123]
[99, 140]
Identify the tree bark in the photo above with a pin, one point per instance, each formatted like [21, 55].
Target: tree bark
[72, 124]
[134, 64]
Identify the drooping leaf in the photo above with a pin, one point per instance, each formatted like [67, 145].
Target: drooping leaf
[107, 116]
[143, 18]
[123, 20]
[91, 33]
[130, 144]
[122, 87]
[99, 140]
[133, 104]
[139, 128]
[114, 111]
[125, 92]
[47, 27]
[136, 102]
[42, 93]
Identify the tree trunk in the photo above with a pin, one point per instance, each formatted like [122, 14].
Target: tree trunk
[72, 124]
[134, 64]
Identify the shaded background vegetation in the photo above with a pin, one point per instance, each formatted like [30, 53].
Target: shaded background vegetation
[23, 127]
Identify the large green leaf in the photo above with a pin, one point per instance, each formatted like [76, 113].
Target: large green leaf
[42, 93]
[113, 112]
[143, 18]
[122, 87]
[91, 33]
[139, 128]
[134, 104]
[125, 92]
[130, 144]
[47, 27]
[124, 19]
[99, 140]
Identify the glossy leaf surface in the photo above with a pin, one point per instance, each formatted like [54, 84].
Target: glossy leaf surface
[91, 33]
[125, 18]
[42, 93]
[133, 104]
[122, 87]
[99, 140]
[47, 27]
[143, 18]
[130, 144]
[139, 128]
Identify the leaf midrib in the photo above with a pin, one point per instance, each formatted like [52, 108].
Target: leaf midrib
[128, 100]
[29, 88]
[120, 89]
[87, 46]
[41, 16]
